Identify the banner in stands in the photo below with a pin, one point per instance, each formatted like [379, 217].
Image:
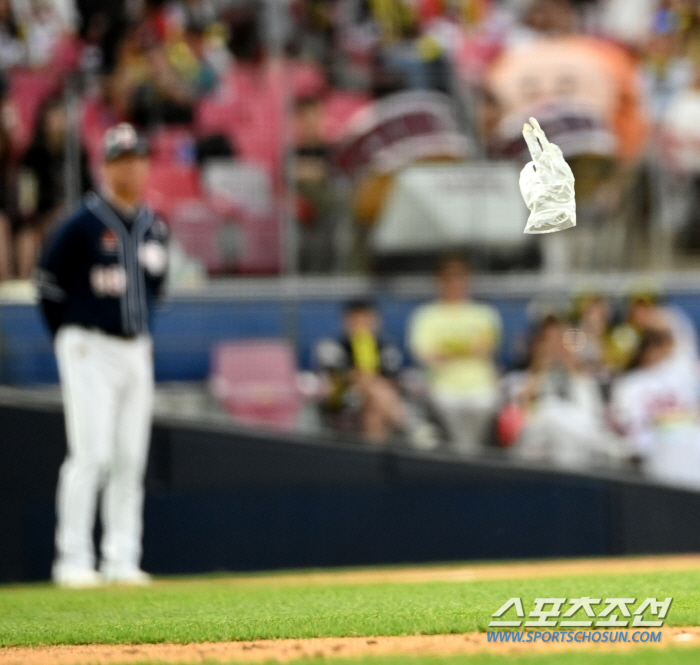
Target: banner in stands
[586, 90]
[575, 130]
[400, 130]
[438, 206]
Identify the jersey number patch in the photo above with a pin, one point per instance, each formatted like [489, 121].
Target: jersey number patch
[108, 281]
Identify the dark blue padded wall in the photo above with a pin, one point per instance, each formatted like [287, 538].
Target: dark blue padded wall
[26, 356]
[185, 331]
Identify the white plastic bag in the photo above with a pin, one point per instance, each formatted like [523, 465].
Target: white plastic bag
[547, 184]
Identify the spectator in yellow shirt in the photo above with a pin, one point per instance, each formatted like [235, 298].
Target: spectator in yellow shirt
[455, 339]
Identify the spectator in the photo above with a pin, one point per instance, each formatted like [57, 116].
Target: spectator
[656, 406]
[589, 337]
[645, 311]
[215, 147]
[455, 339]
[42, 182]
[102, 27]
[188, 51]
[12, 48]
[320, 206]
[361, 369]
[561, 404]
[162, 95]
[544, 18]
[44, 23]
[628, 21]
[668, 70]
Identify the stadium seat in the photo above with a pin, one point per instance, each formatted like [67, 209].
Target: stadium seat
[28, 90]
[198, 229]
[256, 381]
[260, 245]
[248, 108]
[213, 115]
[96, 118]
[170, 184]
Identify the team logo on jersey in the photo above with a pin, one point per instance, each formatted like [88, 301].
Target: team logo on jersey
[109, 242]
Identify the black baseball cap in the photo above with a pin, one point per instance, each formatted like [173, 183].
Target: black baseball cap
[123, 139]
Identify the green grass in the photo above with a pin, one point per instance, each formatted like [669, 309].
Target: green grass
[218, 609]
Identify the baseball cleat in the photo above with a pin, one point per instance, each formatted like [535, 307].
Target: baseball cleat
[126, 576]
[76, 578]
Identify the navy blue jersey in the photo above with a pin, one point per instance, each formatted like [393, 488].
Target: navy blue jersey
[101, 269]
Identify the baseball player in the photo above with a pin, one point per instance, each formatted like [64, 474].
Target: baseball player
[98, 278]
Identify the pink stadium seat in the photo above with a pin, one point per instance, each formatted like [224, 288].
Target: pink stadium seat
[29, 89]
[170, 184]
[248, 107]
[96, 118]
[260, 240]
[256, 382]
[198, 228]
[213, 115]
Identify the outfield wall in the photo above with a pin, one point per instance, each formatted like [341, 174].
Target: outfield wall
[305, 310]
[223, 498]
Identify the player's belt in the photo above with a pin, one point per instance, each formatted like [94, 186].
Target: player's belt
[123, 336]
[118, 335]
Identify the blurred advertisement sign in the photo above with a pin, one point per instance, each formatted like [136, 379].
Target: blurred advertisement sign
[440, 206]
[400, 130]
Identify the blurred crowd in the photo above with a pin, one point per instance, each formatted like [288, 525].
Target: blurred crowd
[274, 91]
[591, 387]
[272, 120]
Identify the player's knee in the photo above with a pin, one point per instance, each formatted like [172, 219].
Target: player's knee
[131, 465]
[90, 463]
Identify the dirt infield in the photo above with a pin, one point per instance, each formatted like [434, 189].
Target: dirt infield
[284, 651]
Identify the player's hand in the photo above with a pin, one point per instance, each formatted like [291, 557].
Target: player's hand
[547, 184]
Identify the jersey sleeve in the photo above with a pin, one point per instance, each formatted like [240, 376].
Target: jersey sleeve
[55, 274]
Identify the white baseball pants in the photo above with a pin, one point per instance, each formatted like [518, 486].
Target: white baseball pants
[107, 387]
